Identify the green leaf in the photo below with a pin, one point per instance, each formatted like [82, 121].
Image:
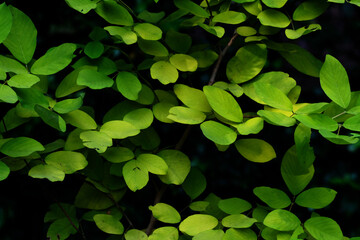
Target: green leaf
[83, 6]
[50, 172]
[62, 228]
[68, 105]
[230, 17]
[94, 49]
[312, 108]
[192, 97]
[215, 30]
[238, 221]
[309, 10]
[114, 13]
[195, 183]
[23, 80]
[118, 154]
[255, 150]
[54, 60]
[179, 42]
[247, 63]
[29, 97]
[338, 139]
[183, 62]
[251, 126]
[191, 7]
[11, 120]
[165, 213]
[135, 234]
[96, 140]
[135, 175]
[223, 103]
[274, 3]
[273, 197]
[205, 58]
[199, 206]
[276, 118]
[218, 132]
[246, 31]
[21, 147]
[51, 118]
[21, 40]
[148, 31]
[151, 16]
[210, 234]
[355, 2]
[11, 65]
[197, 223]
[317, 121]
[80, 119]
[119, 129]
[186, 115]
[128, 85]
[239, 234]
[161, 111]
[335, 81]
[178, 166]
[294, 175]
[68, 85]
[124, 33]
[234, 205]
[273, 96]
[153, 163]
[295, 34]
[273, 18]
[109, 224]
[67, 161]
[316, 198]
[93, 79]
[154, 48]
[4, 171]
[6, 21]
[323, 228]
[353, 123]
[141, 118]
[164, 71]
[301, 59]
[146, 95]
[7, 94]
[282, 220]
[164, 233]
[73, 141]
[304, 151]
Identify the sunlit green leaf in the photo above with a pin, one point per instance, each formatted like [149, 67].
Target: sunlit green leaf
[146, 95]
[335, 81]
[230, 17]
[218, 132]
[67, 161]
[251, 126]
[148, 31]
[239, 234]
[338, 139]
[179, 42]
[192, 97]
[6, 20]
[315, 198]
[215, 30]
[54, 60]
[69, 85]
[274, 3]
[305, 152]
[68, 105]
[114, 13]
[135, 234]
[141, 118]
[128, 85]
[246, 31]
[96, 140]
[272, 96]
[23, 80]
[21, 147]
[21, 41]
[119, 129]
[178, 166]
[4, 171]
[118, 154]
[247, 63]
[234, 205]
[153, 163]
[210, 234]
[83, 6]
[109, 224]
[197, 223]
[317, 121]
[80, 119]
[164, 71]
[136, 176]
[183, 62]
[164, 233]
[255, 150]
[50, 172]
[276, 118]
[312, 108]
[124, 33]
[11, 65]
[165, 213]
[273, 18]
[7, 94]
[238, 221]
[191, 7]
[94, 49]
[273, 197]
[154, 48]
[282, 220]
[186, 115]
[295, 34]
[323, 228]
[309, 10]
[223, 103]
[93, 79]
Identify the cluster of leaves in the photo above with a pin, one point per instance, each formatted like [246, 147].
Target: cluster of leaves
[122, 150]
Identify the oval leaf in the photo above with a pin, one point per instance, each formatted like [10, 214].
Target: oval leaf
[323, 228]
[67, 161]
[273, 197]
[119, 129]
[178, 166]
[197, 223]
[128, 85]
[255, 150]
[165, 213]
[136, 176]
[218, 132]
[316, 198]
[165, 72]
[21, 147]
[281, 220]
[238, 221]
[109, 224]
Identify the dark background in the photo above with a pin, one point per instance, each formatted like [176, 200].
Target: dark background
[24, 201]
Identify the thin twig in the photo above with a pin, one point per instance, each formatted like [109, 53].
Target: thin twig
[211, 14]
[221, 56]
[120, 209]
[70, 221]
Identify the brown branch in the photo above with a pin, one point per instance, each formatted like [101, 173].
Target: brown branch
[70, 221]
[163, 188]
[221, 56]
